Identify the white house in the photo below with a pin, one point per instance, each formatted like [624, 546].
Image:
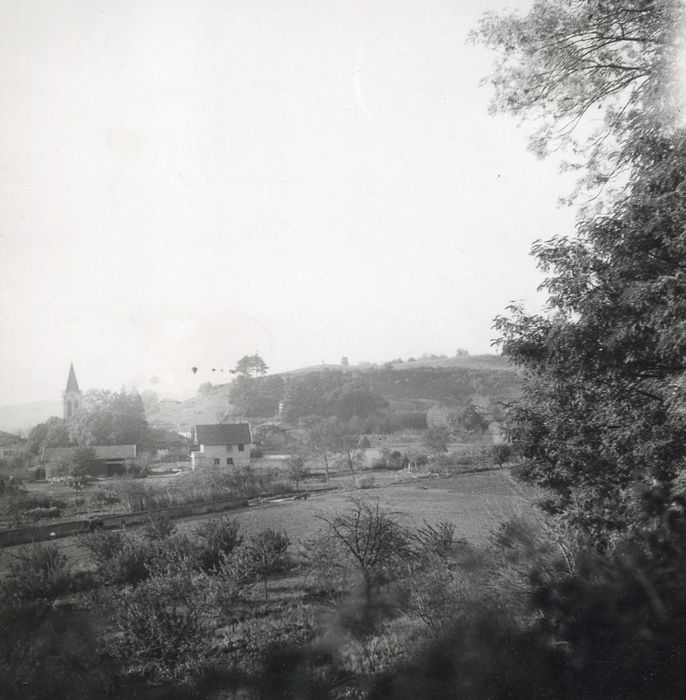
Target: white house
[222, 445]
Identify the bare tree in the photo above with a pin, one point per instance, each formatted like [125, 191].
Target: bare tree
[377, 544]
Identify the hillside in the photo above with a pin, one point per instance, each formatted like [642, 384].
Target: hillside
[482, 379]
[22, 417]
[210, 408]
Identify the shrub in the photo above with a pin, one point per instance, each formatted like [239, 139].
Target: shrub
[217, 538]
[159, 526]
[162, 626]
[103, 546]
[367, 482]
[34, 514]
[501, 453]
[327, 564]
[437, 540]
[41, 571]
[128, 560]
[267, 554]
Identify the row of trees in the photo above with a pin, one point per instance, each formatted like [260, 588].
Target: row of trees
[107, 418]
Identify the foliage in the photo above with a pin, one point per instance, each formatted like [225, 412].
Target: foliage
[39, 572]
[375, 543]
[501, 453]
[53, 433]
[436, 438]
[205, 389]
[111, 418]
[159, 526]
[602, 414]
[296, 469]
[217, 538]
[267, 554]
[564, 61]
[250, 366]
[162, 626]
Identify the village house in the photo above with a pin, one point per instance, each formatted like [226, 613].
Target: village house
[222, 445]
[110, 460]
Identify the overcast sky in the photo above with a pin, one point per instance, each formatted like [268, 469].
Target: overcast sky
[184, 182]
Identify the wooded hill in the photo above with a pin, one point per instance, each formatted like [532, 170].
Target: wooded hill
[346, 391]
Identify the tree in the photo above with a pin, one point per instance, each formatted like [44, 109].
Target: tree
[322, 439]
[53, 433]
[436, 438]
[602, 409]
[151, 401]
[567, 60]
[374, 541]
[111, 418]
[501, 453]
[205, 388]
[251, 366]
[268, 555]
[296, 469]
[83, 462]
[472, 420]
[601, 420]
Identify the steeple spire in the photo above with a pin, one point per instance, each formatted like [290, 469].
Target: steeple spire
[72, 384]
[73, 398]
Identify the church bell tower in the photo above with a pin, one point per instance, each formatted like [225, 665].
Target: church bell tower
[72, 399]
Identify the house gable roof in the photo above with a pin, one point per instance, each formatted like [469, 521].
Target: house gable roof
[103, 452]
[223, 434]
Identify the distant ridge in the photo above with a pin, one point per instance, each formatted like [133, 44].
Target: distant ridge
[484, 362]
[21, 417]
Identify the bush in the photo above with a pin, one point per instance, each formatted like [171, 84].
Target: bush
[217, 538]
[103, 546]
[35, 514]
[501, 454]
[162, 626]
[367, 482]
[327, 563]
[41, 571]
[159, 526]
[124, 558]
[267, 554]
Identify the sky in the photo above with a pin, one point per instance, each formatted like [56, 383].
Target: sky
[183, 182]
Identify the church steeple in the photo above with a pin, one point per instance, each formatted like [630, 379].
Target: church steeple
[73, 397]
[72, 384]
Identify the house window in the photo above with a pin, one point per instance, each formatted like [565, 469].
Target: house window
[216, 461]
[229, 460]
[241, 448]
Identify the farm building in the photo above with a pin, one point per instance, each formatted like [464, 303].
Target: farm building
[109, 459]
[11, 446]
[222, 445]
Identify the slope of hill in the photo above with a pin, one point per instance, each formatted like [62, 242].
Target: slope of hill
[22, 417]
[211, 407]
[483, 379]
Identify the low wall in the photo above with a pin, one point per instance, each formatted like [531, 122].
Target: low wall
[39, 533]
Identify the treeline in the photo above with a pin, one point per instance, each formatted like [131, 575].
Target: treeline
[385, 398]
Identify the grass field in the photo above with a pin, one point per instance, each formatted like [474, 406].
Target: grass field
[475, 503]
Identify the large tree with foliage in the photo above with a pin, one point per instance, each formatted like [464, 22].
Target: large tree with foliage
[111, 418]
[602, 420]
[251, 366]
[592, 75]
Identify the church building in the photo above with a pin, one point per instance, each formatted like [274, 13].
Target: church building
[72, 399]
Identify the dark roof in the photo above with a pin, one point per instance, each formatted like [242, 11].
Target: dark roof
[72, 384]
[105, 452]
[223, 434]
